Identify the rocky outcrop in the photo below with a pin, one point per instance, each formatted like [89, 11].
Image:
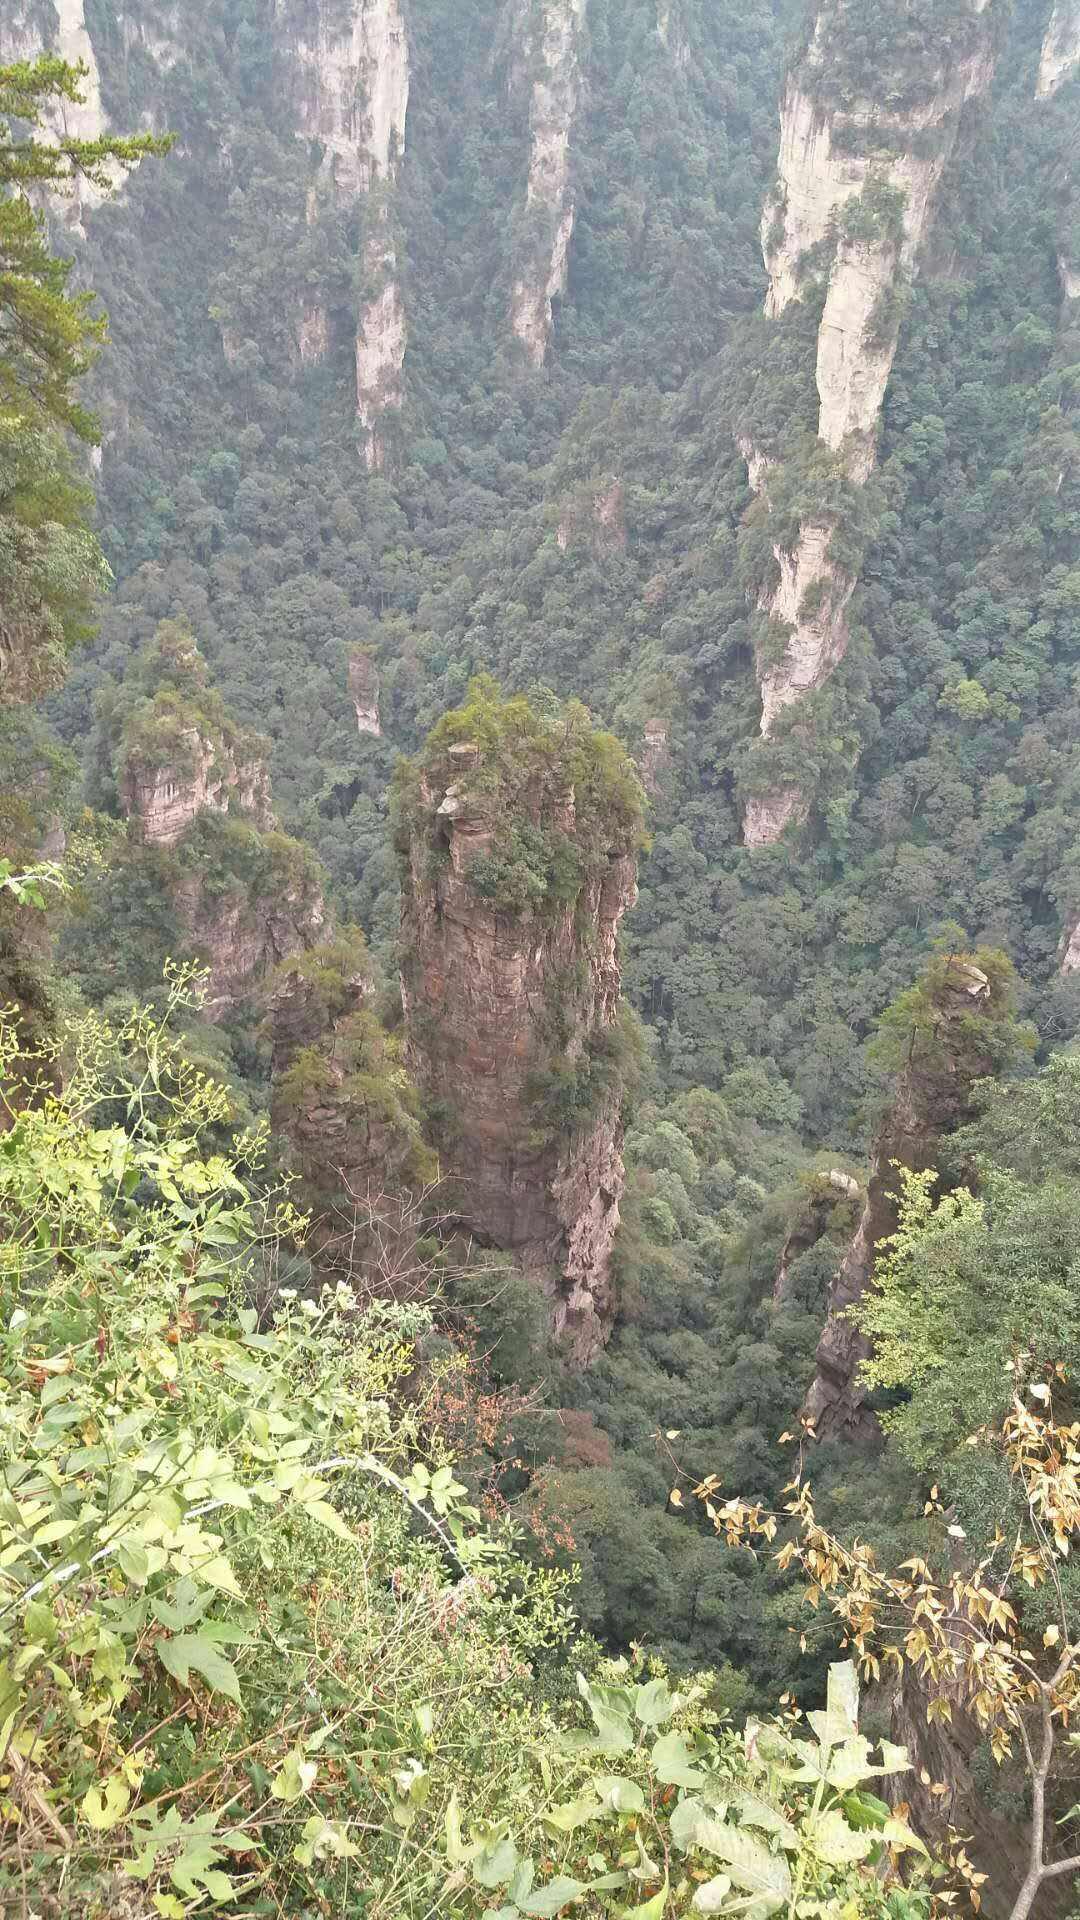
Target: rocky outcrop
[163, 794]
[518, 865]
[195, 791]
[951, 1045]
[855, 186]
[653, 758]
[826, 1195]
[1069, 949]
[364, 689]
[244, 933]
[1060, 55]
[549, 200]
[597, 513]
[353, 100]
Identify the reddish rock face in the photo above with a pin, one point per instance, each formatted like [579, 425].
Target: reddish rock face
[164, 800]
[505, 1008]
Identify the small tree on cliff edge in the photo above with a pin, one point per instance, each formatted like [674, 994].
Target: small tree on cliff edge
[962, 1635]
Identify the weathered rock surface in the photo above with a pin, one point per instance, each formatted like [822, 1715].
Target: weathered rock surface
[164, 798]
[859, 182]
[353, 98]
[930, 1097]
[553, 107]
[243, 936]
[1060, 55]
[497, 1003]
[250, 896]
[364, 689]
[596, 513]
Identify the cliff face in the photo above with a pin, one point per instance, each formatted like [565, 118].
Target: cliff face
[164, 796]
[951, 1045]
[353, 99]
[514, 887]
[196, 790]
[364, 689]
[855, 181]
[1060, 54]
[550, 199]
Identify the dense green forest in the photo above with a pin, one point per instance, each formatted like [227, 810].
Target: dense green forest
[245, 600]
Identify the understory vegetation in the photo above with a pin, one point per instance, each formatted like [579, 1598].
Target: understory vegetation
[327, 1586]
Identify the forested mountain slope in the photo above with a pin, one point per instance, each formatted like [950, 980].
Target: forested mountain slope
[713, 365]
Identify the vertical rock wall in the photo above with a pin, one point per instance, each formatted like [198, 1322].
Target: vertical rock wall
[858, 182]
[1060, 54]
[550, 196]
[511, 995]
[353, 99]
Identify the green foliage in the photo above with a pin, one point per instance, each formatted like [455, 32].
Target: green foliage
[974, 1295]
[50, 564]
[559, 798]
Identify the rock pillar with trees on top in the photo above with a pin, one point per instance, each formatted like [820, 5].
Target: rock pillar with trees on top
[518, 832]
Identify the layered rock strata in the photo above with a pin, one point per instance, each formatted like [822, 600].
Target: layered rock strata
[856, 184]
[354, 100]
[163, 794]
[945, 1057]
[511, 996]
[550, 199]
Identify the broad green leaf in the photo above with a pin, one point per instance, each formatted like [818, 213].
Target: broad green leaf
[574, 1814]
[694, 1825]
[102, 1811]
[296, 1777]
[550, 1900]
[651, 1910]
[835, 1842]
[840, 1719]
[758, 1813]
[750, 1863]
[673, 1763]
[653, 1704]
[134, 1562]
[621, 1795]
[186, 1650]
[894, 1759]
[328, 1517]
[710, 1897]
[497, 1861]
[849, 1764]
[897, 1833]
[864, 1809]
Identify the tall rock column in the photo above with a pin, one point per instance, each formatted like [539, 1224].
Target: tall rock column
[354, 100]
[856, 180]
[953, 1028]
[518, 838]
[550, 200]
